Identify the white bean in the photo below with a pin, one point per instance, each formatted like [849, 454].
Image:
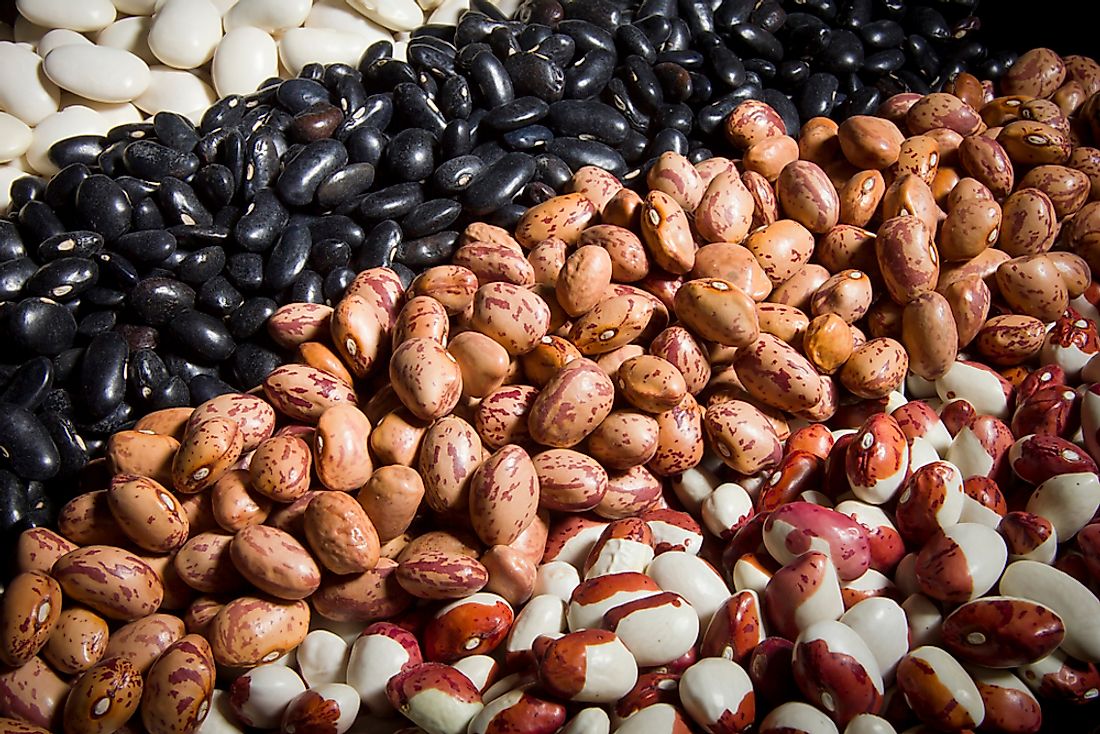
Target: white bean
[74, 120]
[15, 137]
[323, 658]
[301, 46]
[267, 15]
[86, 15]
[397, 15]
[175, 90]
[338, 15]
[135, 7]
[24, 90]
[185, 33]
[129, 34]
[243, 60]
[98, 73]
[59, 37]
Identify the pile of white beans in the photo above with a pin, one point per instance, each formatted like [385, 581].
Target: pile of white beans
[80, 67]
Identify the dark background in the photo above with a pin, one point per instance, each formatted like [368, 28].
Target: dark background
[1067, 26]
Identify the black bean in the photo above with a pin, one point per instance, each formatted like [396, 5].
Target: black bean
[25, 445]
[809, 40]
[454, 99]
[261, 164]
[41, 509]
[13, 503]
[752, 40]
[413, 106]
[884, 62]
[180, 204]
[326, 255]
[366, 144]
[726, 66]
[432, 58]
[303, 173]
[38, 221]
[518, 113]
[153, 161]
[179, 366]
[552, 170]
[559, 48]
[667, 140]
[818, 95]
[345, 184]
[782, 104]
[771, 16]
[732, 12]
[172, 393]
[110, 160]
[30, 383]
[117, 271]
[158, 301]
[711, 117]
[882, 34]
[698, 14]
[218, 296]
[679, 36]
[103, 374]
[201, 265]
[578, 152]
[145, 371]
[96, 322]
[249, 318]
[410, 155]
[844, 52]
[223, 113]
[77, 243]
[497, 184]
[492, 80]
[432, 216]
[147, 247]
[72, 452]
[924, 58]
[587, 36]
[617, 95]
[425, 252]
[84, 149]
[63, 279]
[642, 84]
[296, 95]
[252, 363]
[176, 131]
[259, 227]
[139, 336]
[534, 74]
[549, 12]
[534, 193]
[601, 13]
[287, 258]
[206, 387]
[393, 201]
[62, 187]
[216, 183]
[11, 244]
[202, 336]
[308, 287]
[335, 225]
[587, 77]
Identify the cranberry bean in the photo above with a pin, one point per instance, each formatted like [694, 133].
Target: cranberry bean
[724, 214]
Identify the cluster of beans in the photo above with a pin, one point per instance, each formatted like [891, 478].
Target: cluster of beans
[139, 276]
[129, 59]
[786, 442]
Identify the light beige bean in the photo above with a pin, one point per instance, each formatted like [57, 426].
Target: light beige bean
[679, 440]
[253, 415]
[392, 495]
[1029, 223]
[563, 216]
[667, 233]
[907, 258]
[357, 333]
[341, 448]
[870, 142]
[676, 176]
[103, 698]
[875, 368]
[235, 505]
[651, 383]
[743, 436]
[422, 316]
[781, 248]
[144, 454]
[29, 612]
[613, 323]
[504, 496]
[848, 294]
[274, 562]
[583, 279]
[178, 687]
[452, 285]
[340, 533]
[1032, 285]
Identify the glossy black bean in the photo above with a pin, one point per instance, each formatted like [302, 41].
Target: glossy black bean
[379, 247]
[366, 145]
[252, 363]
[537, 75]
[180, 204]
[425, 252]
[40, 326]
[844, 53]
[223, 113]
[121, 417]
[578, 152]
[61, 188]
[72, 452]
[725, 66]
[327, 255]
[11, 244]
[491, 79]
[25, 446]
[249, 318]
[349, 93]
[25, 189]
[457, 140]
[782, 104]
[76, 243]
[498, 183]
[415, 109]
[587, 36]
[287, 258]
[201, 336]
[559, 48]
[193, 236]
[503, 41]
[308, 287]
[335, 226]
[377, 50]
[618, 96]
[817, 96]
[410, 155]
[928, 22]
[698, 14]
[210, 144]
[429, 58]
[345, 184]
[37, 221]
[153, 161]
[863, 101]
[655, 26]
[103, 374]
[534, 193]
[923, 57]
[666, 141]
[13, 503]
[528, 138]
[101, 297]
[749, 39]
[588, 76]
[206, 387]
[315, 122]
[110, 160]
[116, 271]
[148, 247]
[882, 34]
[642, 84]
[824, 9]
[172, 393]
[809, 40]
[30, 383]
[454, 99]
[518, 113]
[218, 296]
[336, 284]
[632, 40]
[158, 301]
[63, 279]
[216, 184]
[93, 323]
[601, 13]
[84, 149]
[572, 117]
[41, 508]
[303, 173]
[146, 371]
[261, 164]
[430, 217]
[711, 117]
[176, 131]
[770, 15]
[184, 368]
[731, 12]
[552, 170]
[884, 62]
[679, 36]
[393, 201]
[855, 13]
[296, 95]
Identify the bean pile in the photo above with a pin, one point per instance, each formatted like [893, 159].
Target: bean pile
[784, 441]
[140, 275]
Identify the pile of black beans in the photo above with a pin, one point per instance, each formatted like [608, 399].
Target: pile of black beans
[140, 276]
